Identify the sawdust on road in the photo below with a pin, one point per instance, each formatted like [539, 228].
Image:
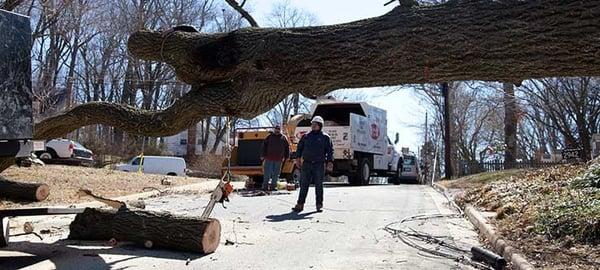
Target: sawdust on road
[65, 181]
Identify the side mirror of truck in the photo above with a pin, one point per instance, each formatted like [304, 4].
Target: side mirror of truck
[397, 138]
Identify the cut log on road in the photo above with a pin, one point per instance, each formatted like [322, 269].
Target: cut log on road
[93, 224]
[23, 191]
[150, 229]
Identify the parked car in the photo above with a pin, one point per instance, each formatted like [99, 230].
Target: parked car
[410, 168]
[65, 149]
[174, 166]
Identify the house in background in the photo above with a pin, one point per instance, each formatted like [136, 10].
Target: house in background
[177, 144]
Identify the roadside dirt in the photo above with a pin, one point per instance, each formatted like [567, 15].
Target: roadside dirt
[65, 181]
[538, 211]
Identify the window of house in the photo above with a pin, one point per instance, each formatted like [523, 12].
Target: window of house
[183, 142]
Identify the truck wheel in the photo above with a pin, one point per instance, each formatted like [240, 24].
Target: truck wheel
[294, 177]
[45, 155]
[395, 179]
[363, 174]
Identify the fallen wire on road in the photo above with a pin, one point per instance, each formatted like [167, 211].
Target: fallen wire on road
[422, 240]
[259, 193]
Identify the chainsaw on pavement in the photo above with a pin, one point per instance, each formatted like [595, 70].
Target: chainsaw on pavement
[221, 193]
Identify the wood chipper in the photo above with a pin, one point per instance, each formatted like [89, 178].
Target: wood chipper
[245, 155]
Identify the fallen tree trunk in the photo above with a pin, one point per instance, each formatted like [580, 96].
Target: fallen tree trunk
[150, 229]
[93, 224]
[23, 191]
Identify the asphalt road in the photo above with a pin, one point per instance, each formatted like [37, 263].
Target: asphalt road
[349, 234]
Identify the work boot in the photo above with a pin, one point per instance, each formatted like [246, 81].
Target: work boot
[319, 207]
[298, 208]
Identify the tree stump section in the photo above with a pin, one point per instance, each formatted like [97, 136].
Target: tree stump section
[93, 225]
[23, 191]
[145, 228]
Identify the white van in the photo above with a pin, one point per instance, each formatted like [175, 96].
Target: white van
[174, 166]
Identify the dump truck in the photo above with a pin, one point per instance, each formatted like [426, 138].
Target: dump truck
[361, 145]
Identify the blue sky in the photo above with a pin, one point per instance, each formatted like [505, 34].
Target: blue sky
[404, 110]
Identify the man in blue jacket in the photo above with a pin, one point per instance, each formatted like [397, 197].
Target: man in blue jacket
[313, 155]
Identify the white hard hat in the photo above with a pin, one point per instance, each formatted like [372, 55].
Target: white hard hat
[318, 119]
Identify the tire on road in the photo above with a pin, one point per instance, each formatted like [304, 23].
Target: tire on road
[294, 177]
[395, 179]
[362, 176]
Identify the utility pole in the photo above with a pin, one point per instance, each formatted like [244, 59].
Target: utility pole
[510, 125]
[426, 149]
[448, 170]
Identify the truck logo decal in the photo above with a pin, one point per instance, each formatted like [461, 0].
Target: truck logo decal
[375, 132]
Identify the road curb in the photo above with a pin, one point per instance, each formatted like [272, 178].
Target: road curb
[440, 188]
[499, 245]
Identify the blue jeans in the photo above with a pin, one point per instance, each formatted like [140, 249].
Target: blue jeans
[271, 170]
[312, 173]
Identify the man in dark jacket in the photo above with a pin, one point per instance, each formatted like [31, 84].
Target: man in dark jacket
[275, 151]
[314, 153]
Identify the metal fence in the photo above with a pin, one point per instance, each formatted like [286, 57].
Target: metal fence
[468, 168]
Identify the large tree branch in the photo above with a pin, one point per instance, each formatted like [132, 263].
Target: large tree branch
[462, 40]
[246, 72]
[186, 111]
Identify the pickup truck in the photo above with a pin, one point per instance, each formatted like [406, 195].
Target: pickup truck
[359, 134]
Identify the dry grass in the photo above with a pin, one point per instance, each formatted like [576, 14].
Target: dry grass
[479, 180]
[65, 181]
[543, 213]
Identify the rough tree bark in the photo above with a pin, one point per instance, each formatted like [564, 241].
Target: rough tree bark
[23, 191]
[248, 71]
[150, 229]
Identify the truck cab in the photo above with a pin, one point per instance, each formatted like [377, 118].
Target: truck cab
[359, 135]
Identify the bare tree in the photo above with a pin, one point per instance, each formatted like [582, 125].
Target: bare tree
[475, 115]
[244, 73]
[570, 106]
